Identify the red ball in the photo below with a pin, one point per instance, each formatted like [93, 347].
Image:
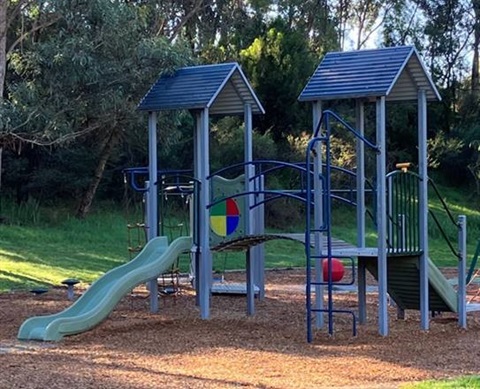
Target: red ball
[338, 270]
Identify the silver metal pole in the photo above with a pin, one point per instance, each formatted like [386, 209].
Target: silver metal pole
[249, 173]
[203, 169]
[318, 218]
[423, 208]
[361, 210]
[462, 271]
[152, 199]
[382, 218]
[259, 229]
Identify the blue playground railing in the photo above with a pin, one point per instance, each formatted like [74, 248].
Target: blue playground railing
[266, 168]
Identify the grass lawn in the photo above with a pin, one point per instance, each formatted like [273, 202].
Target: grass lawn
[42, 255]
[472, 382]
[43, 246]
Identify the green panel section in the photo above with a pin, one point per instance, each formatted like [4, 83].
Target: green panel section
[104, 294]
[404, 283]
[222, 188]
[219, 209]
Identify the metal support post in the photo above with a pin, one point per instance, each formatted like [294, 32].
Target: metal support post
[152, 216]
[382, 219]
[361, 209]
[423, 208]
[318, 218]
[462, 272]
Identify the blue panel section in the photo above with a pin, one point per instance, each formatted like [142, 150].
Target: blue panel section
[355, 74]
[188, 88]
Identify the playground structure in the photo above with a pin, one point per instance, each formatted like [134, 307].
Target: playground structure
[228, 214]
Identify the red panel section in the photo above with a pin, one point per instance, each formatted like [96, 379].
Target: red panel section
[232, 208]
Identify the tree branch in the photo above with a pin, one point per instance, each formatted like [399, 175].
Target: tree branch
[369, 34]
[409, 25]
[176, 30]
[33, 29]
[16, 10]
[25, 138]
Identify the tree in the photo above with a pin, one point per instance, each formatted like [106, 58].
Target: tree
[3, 45]
[279, 64]
[476, 48]
[9, 12]
[85, 77]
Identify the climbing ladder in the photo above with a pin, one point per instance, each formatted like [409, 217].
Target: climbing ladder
[320, 228]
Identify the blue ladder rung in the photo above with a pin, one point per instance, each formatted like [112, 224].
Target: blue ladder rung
[346, 311]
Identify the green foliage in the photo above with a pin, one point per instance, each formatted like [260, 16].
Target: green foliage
[468, 382]
[444, 151]
[279, 63]
[77, 70]
[79, 84]
[227, 144]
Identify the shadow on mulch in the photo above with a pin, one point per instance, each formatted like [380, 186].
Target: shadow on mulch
[269, 349]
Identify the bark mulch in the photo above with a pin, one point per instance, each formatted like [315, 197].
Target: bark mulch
[176, 349]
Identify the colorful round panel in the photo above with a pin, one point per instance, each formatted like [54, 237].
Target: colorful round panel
[224, 217]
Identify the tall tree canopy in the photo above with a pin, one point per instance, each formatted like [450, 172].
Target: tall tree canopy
[83, 77]
[72, 73]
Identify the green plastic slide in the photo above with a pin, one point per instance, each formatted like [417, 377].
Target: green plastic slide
[104, 294]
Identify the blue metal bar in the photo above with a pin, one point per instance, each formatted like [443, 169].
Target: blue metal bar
[354, 319]
[220, 200]
[259, 162]
[352, 278]
[308, 244]
[134, 173]
[328, 113]
[325, 225]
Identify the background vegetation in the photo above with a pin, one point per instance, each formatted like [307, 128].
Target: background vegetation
[73, 72]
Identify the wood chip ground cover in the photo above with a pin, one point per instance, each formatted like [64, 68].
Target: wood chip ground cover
[176, 349]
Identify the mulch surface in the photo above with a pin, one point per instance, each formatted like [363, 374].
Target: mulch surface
[176, 349]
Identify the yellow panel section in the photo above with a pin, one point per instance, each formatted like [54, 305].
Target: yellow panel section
[219, 225]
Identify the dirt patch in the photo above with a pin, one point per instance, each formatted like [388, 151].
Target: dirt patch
[175, 349]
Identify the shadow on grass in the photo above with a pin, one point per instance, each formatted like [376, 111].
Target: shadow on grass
[18, 281]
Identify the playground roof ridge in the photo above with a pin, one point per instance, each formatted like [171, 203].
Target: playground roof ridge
[223, 88]
[394, 72]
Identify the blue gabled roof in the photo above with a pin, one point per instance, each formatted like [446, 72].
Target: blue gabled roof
[395, 72]
[221, 87]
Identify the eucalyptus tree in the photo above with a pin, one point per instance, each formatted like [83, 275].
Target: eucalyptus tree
[83, 77]
[19, 21]
[316, 20]
[476, 48]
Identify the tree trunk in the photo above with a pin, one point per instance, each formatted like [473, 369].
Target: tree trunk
[89, 194]
[3, 45]
[3, 67]
[476, 48]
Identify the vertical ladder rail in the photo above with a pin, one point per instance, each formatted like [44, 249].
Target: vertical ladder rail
[325, 225]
